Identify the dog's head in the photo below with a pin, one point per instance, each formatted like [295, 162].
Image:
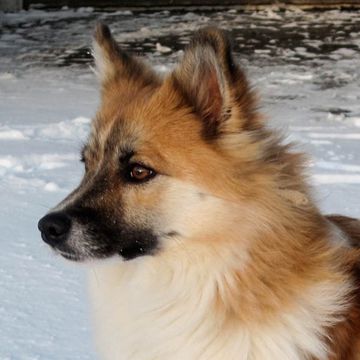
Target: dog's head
[167, 157]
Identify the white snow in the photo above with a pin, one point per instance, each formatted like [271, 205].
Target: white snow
[65, 129]
[162, 49]
[355, 136]
[336, 179]
[43, 303]
[45, 113]
[12, 135]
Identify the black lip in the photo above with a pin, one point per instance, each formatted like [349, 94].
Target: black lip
[66, 252]
[69, 255]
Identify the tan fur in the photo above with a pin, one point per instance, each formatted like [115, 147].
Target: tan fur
[252, 266]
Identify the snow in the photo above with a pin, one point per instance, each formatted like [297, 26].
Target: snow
[162, 49]
[43, 305]
[306, 67]
[12, 134]
[336, 179]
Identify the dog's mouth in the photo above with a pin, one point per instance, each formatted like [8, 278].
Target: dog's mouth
[69, 255]
[69, 252]
[126, 253]
[80, 250]
[78, 240]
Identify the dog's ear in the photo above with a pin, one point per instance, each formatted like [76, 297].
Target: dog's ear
[213, 84]
[113, 63]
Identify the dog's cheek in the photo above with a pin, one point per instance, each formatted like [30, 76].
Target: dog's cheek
[188, 211]
[141, 205]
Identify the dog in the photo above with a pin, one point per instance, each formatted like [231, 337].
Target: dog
[218, 250]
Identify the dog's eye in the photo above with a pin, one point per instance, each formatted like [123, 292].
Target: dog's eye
[140, 173]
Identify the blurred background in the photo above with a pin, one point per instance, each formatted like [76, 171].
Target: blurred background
[13, 5]
[302, 56]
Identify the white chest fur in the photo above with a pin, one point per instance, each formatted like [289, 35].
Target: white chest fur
[144, 311]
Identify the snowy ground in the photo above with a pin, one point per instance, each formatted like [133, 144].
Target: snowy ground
[305, 65]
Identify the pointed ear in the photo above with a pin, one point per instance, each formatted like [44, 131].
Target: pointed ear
[213, 84]
[113, 63]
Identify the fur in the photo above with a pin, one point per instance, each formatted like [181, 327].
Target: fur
[221, 253]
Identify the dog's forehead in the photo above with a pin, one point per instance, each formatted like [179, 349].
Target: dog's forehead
[110, 135]
[149, 123]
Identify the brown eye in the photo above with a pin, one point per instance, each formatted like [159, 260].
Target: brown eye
[140, 173]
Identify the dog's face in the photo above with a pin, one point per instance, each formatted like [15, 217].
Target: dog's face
[165, 157]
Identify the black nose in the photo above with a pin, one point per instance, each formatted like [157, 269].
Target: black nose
[54, 228]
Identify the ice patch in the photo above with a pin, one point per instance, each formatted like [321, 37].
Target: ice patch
[306, 128]
[321, 179]
[86, 9]
[72, 129]
[306, 76]
[321, 142]
[290, 78]
[344, 52]
[121, 13]
[335, 117]
[336, 166]
[6, 162]
[355, 121]
[162, 49]
[12, 135]
[355, 136]
[262, 51]
[82, 120]
[20, 183]
[34, 162]
[51, 187]
[6, 76]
